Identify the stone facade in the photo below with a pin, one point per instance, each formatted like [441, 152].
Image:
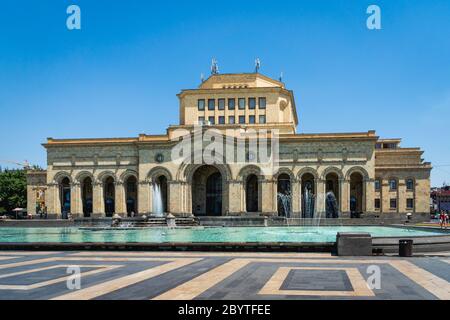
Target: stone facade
[98, 177]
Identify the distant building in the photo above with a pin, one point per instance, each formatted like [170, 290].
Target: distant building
[441, 198]
[102, 177]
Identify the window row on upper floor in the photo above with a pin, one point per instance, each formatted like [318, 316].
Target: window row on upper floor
[232, 120]
[242, 103]
[393, 184]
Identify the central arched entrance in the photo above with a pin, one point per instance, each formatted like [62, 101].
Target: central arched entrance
[207, 191]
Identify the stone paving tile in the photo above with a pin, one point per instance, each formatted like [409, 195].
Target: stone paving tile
[160, 284]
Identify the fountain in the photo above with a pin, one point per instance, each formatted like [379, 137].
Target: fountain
[332, 210]
[308, 203]
[158, 209]
[285, 199]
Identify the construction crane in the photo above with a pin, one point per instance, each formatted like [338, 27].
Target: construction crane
[25, 165]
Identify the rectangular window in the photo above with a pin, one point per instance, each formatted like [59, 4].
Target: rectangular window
[262, 119]
[262, 103]
[241, 119]
[221, 104]
[410, 203]
[393, 203]
[241, 103]
[252, 103]
[377, 204]
[231, 104]
[201, 104]
[377, 185]
[201, 120]
[251, 119]
[211, 120]
[231, 119]
[221, 120]
[211, 104]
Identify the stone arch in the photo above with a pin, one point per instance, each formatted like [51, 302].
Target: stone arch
[308, 178]
[156, 172]
[251, 191]
[358, 169]
[128, 173]
[61, 175]
[284, 170]
[357, 191]
[83, 175]
[332, 169]
[224, 169]
[208, 189]
[249, 170]
[102, 176]
[309, 170]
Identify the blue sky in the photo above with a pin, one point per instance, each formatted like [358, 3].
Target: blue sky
[119, 75]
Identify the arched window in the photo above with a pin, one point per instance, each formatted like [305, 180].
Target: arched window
[86, 196]
[159, 196]
[392, 184]
[284, 195]
[251, 193]
[64, 191]
[356, 194]
[109, 193]
[409, 184]
[308, 195]
[131, 195]
[332, 196]
[377, 185]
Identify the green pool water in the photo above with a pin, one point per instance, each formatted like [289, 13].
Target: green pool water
[198, 234]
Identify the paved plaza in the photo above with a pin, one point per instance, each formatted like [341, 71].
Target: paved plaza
[220, 276]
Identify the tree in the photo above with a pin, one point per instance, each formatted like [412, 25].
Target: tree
[13, 189]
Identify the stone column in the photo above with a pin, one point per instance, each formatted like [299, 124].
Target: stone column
[369, 192]
[76, 207]
[235, 197]
[51, 199]
[320, 197]
[385, 205]
[296, 198]
[401, 196]
[31, 199]
[267, 194]
[120, 201]
[98, 206]
[344, 194]
[144, 200]
[174, 198]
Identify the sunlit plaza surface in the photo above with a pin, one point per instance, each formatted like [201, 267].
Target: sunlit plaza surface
[223, 276]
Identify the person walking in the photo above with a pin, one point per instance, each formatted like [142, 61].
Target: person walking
[443, 219]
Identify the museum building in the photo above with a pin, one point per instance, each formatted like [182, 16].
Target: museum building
[137, 176]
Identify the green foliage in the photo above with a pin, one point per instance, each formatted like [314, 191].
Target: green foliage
[13, 189]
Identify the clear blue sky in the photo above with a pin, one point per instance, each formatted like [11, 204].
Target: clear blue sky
[119, 75]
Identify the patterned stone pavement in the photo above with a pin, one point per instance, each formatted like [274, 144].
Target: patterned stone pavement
[220, 276]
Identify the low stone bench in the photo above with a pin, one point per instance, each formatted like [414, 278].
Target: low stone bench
[354, 244]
